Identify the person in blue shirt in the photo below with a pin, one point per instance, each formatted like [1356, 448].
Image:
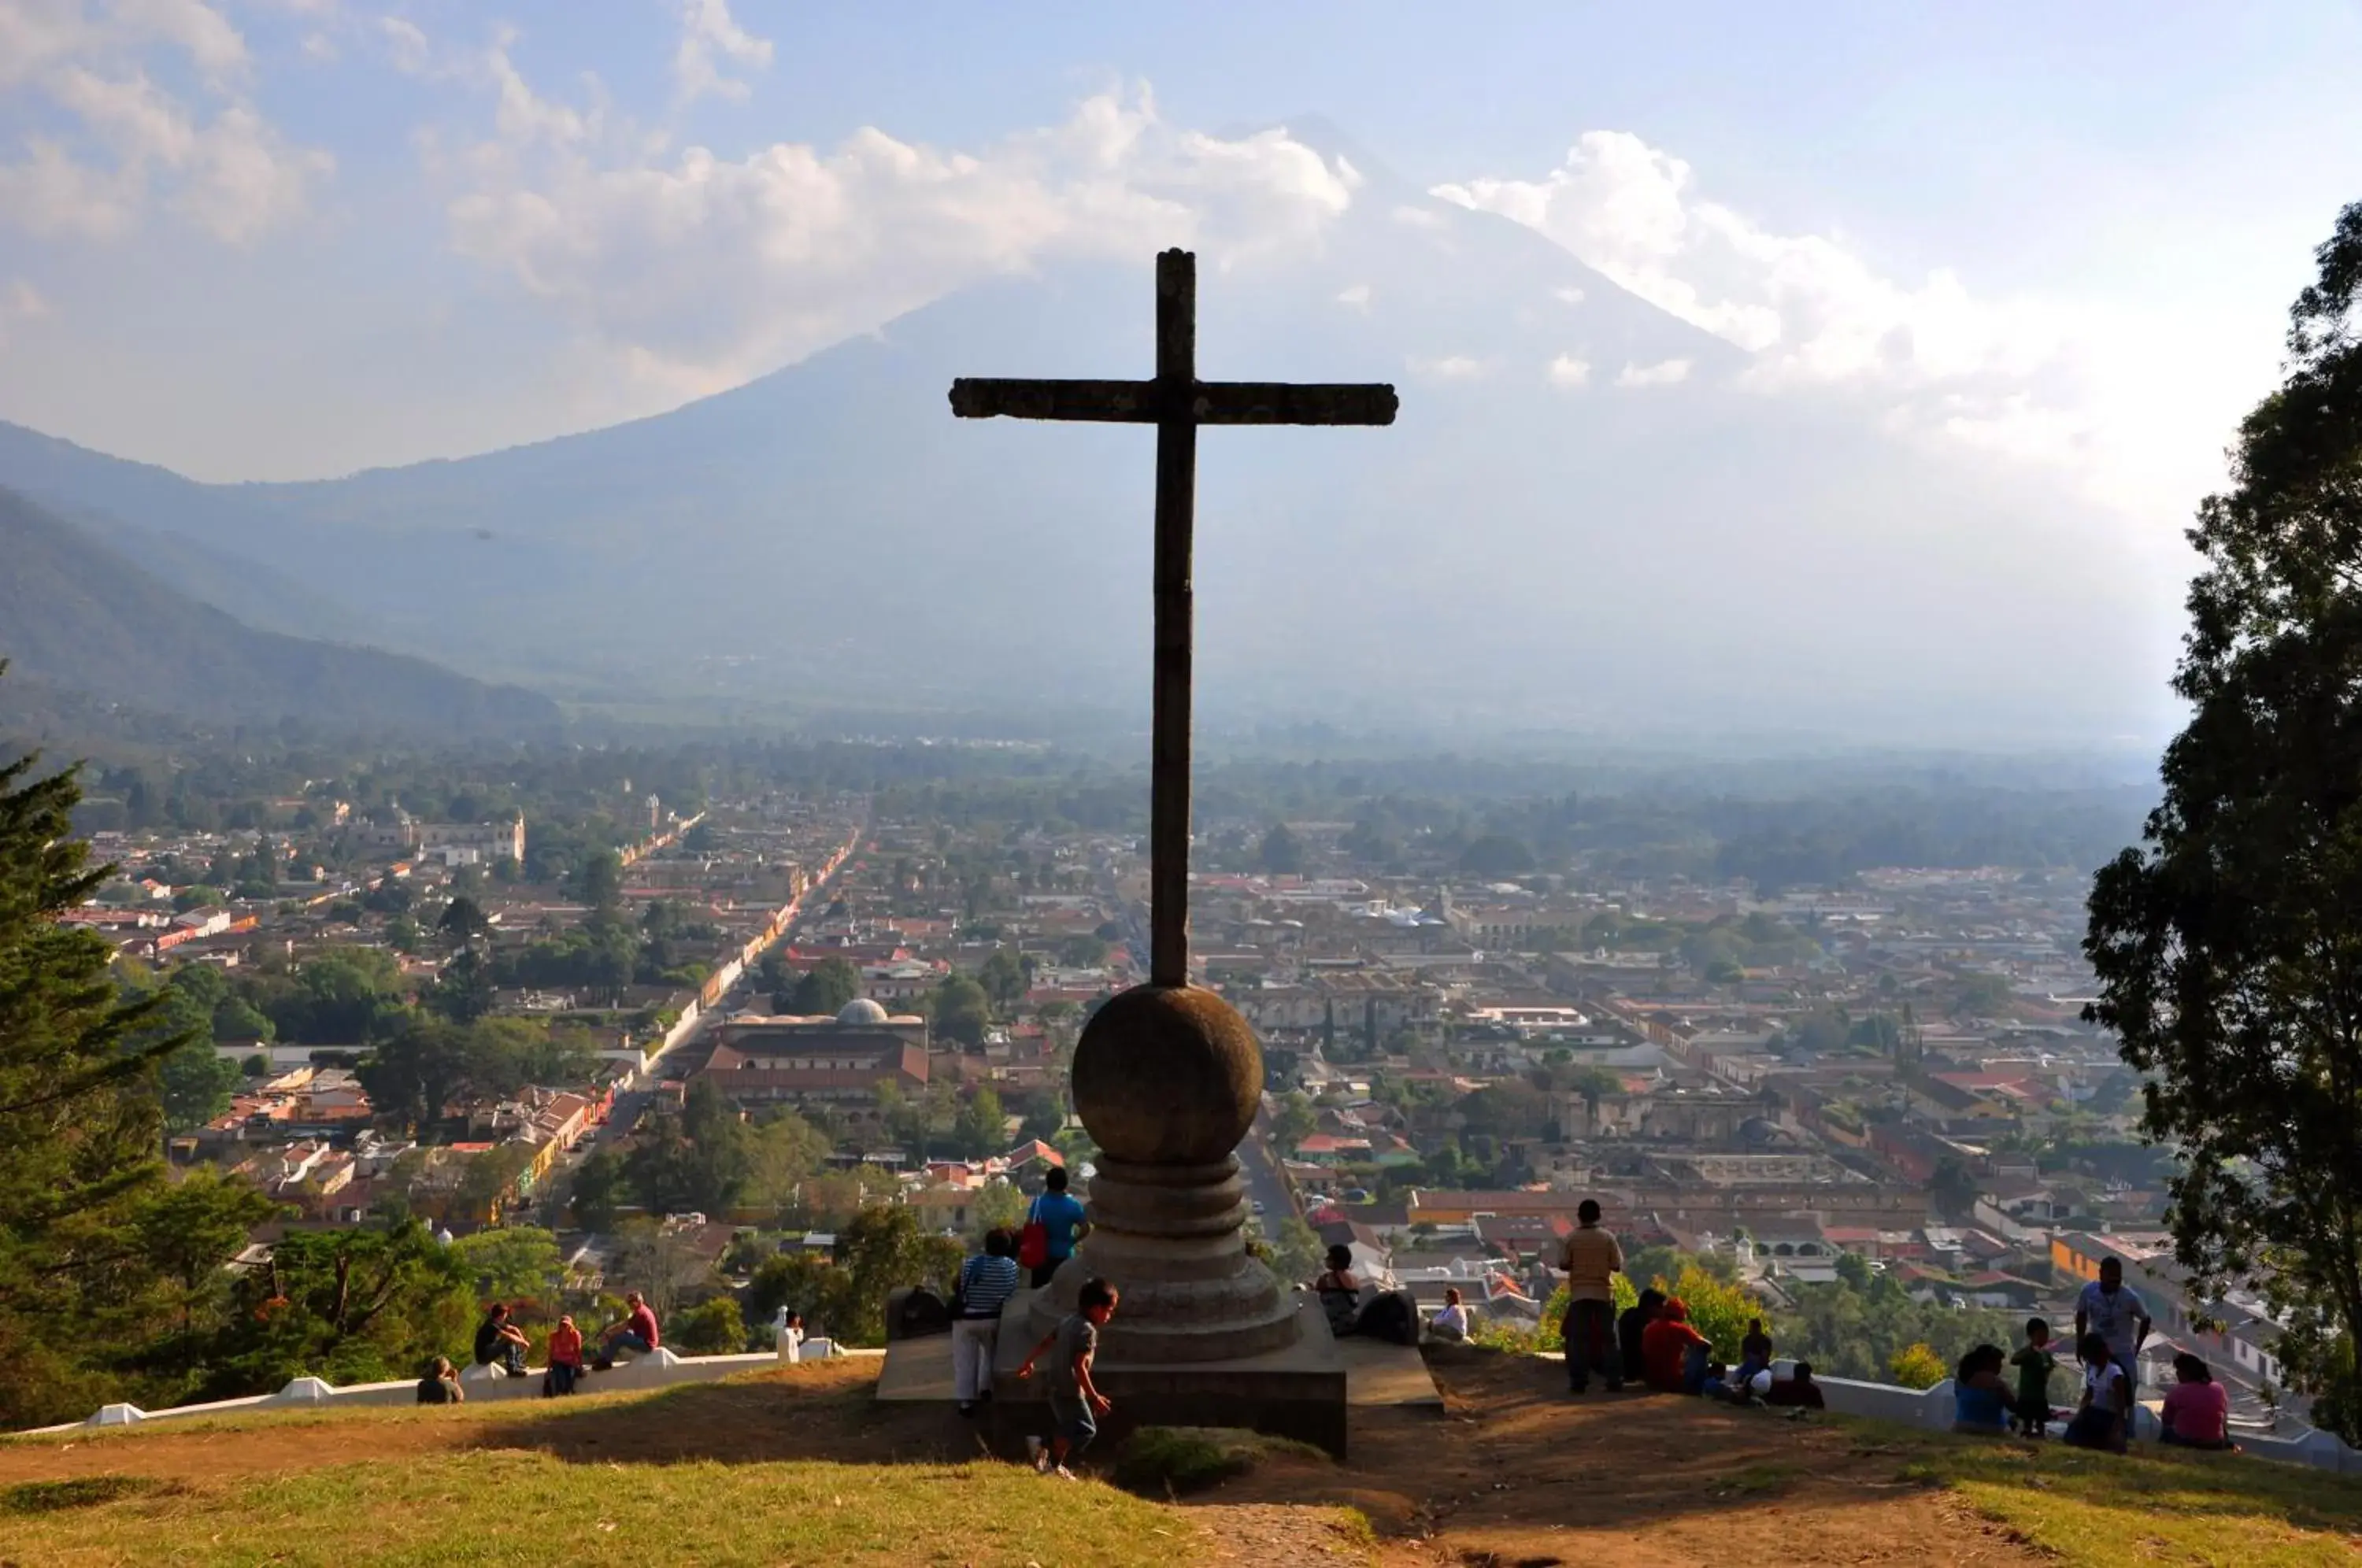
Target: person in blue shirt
[1061, 1217]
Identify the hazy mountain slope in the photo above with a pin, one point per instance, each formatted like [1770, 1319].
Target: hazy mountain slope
[79, 616]
[1689, 553]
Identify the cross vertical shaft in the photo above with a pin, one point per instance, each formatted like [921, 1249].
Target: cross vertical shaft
[1177, 403]
[1176, 614]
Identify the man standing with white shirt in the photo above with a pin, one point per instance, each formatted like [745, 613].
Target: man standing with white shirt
[2111, 1309]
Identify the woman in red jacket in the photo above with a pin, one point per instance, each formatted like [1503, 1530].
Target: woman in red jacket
[1672, 1350]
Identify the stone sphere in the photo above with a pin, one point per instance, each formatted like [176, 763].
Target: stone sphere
[1167, 1075]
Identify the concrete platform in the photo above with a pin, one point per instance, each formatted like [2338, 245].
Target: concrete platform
[1376, 1373]
[1379, 1373]
[1297, 1391]
[917, 1371]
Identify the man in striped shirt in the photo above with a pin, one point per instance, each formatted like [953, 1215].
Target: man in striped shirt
[986, 1284]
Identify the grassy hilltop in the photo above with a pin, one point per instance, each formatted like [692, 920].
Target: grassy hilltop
[800, 1465]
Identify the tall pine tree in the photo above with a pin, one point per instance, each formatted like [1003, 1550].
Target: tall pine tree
[81, 1125]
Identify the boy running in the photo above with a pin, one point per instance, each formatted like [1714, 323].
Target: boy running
[1074, 1399]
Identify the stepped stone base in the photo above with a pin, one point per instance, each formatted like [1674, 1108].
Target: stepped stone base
[1295, 1391]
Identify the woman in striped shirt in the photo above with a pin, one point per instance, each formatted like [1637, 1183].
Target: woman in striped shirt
[986, 1284]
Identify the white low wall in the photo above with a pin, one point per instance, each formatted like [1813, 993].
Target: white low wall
[661, 1370]
[1931, 1410]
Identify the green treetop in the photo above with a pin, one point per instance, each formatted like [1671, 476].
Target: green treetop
[2229, 945]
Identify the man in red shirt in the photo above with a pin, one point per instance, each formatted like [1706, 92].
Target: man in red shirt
[636, 1333]
[1668, 1346]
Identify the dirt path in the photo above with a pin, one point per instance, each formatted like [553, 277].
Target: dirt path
[1512, 1473]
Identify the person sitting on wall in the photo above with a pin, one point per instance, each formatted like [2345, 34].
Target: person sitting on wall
[499, 1342]
[1450, 1321]
[636, 1332]
[1754, 1351]
[1339, 1291]
[441, 1384]
[565, 1357]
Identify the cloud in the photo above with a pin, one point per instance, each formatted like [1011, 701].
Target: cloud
[19, 301]
[37, 37]
[407, 44]
[1568, 371]
[1449, 368]
[1809, 307]
[2025, 377]
[696, 271]
[1569, 294]
[708, 29]
[1356, 295]
[1418, 217]
[1664, 373]
[117, 141]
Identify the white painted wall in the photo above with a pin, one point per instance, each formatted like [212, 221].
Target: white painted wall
[662, 1369]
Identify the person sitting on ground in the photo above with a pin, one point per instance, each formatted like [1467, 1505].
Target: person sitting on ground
[1799, 1392]
[1981, 1401]
[1075, 1401]
[498, 1340]
[441, 1384]
[1754, 1351]
[1339, 1291]
[1674, 1353]
[1061, 1217]
[985, 1283]
[565, 1355]
[634, 1331]
[1629, 1330]
[2034, 1364]
[2197, 1411]
[2103, 1417]
[1450, 1321]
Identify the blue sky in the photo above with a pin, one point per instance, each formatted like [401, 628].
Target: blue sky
[293, 237]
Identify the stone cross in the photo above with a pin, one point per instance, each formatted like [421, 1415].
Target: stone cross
[1177, 403]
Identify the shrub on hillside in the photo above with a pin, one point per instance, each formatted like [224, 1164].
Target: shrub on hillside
[1917, 1367]
[1168, 1461]
[710, 1328]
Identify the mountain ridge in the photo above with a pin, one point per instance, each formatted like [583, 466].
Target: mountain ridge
[1524, 546]
[78, 617]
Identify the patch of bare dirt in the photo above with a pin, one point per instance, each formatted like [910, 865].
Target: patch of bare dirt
[1516, 1474]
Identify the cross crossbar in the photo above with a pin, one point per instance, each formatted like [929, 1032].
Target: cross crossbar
[1207, 402]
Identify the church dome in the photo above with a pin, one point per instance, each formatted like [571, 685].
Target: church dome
[861, 1010]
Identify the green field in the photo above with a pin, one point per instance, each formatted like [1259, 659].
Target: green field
[511, 1507]
[2150, 1506]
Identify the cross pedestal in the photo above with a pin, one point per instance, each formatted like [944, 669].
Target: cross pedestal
[1167, 1075]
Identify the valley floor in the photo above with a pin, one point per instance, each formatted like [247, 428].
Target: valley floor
[803, 1466]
